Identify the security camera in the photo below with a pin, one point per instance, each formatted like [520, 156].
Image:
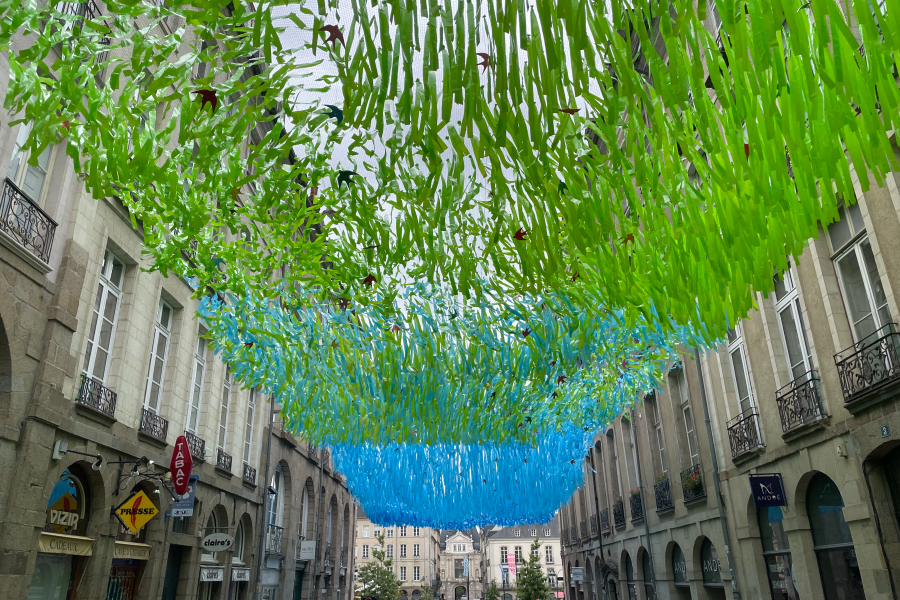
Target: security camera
[272, 490]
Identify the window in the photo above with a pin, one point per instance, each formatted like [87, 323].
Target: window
[738, 359]
[355, 553]
[860, 282]
[459, 568]
[534, 533]
[546, 532]
[551, 578]
[656, 431]
[832, 541]
[678, 390]
[402, 550]
[377, 532]
[517, 533]
[402, 573]
[403, 531]
[679, 568]
[693, 448]
[365, 531]
[536, 554]
[710, 565]
[417, 531]
[159, 352]
[276, 500]
[389, 533]
[223, 413]
[503, 553]
[105, 316]
[548, 554]
[390, 551]
[776, 551]
[365, 551]
[416, 573]
[30, 179]
[415, 549]
[790, 322]
[304, 509]
[518, 551]
[197, 387]
[238, 556]
[212, 526]
[248, 429]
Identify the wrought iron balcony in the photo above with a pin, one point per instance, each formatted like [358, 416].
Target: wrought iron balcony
[565, 538]
[637, 508]
[327, 555]
[249, 474]
[274, 535]
[619, 513]
[584, 530]
[88, 10]
[869, 365]
[223, 460]
[594, 525]
[154, 425]
[692, 483]
[25, 222]
[604, 520]
[99, 397]
[663, 492]
[573, 532]
[196, 445]
[799, 402]
[743, 433]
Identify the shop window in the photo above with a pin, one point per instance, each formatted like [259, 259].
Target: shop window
[833, 544]
[777, 553]
[790, 323]
[629, 577]
[679, 568]
[710, 565]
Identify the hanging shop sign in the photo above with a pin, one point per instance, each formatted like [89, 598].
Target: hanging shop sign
[183, 506]
[136, 511]
[577, 574]
[131, 551]
[212, 574]
[307, 550]
[180, 466]
[240, 574]
[768, 490]
[56, 543]
[217, 542]
[66, 509]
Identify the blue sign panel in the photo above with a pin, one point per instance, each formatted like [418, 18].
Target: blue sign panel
[184, 506]
[767, 490]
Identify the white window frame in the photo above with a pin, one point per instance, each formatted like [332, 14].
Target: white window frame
[403, 531]
[365, 531]
[106, 290]
[224, 409]
[402, 550]
[416, 572]
[536, 554]
[548, 555]
[19, 162]
[248, 433]
[365, 553]
[389, 533]
[197, 381]
[517, 533]
[416, 550]
[693, 448]
[504, 553]
[389, 553]
[402, 573]
[534, 532]
[163, 330]
[655, 420]
[377, 532]
[517, 552]
[855, 247]
[546, 532]
[417, 531]
[790, 301]
[304, 512]
[736, 347]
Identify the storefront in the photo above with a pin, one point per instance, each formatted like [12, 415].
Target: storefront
[63, 546]
[712, 575]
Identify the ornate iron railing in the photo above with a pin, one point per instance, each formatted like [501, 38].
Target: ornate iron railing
[99, 397]
[743, 432]
[154, 425]
[870, 364]
[249, 474]
[312, 450]
[604, 519]
[637, 508]
[799, 401]
[584, 529]
[24, 221]
[88, 10]
[196, 445]
[573, 532]
[274, 535]
[223, 460]
[594, 525]
[565, 538]
[663, 492]
[692, 483]
[619, 513]
[327, 555]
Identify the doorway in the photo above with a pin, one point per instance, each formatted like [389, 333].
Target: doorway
[173, 572]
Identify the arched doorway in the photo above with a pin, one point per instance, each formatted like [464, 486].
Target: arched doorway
[711, 569]
[459, 592]
[832, 541]
[647, 573]
[776, 553]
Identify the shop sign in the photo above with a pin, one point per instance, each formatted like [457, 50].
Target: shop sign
[217, 542]
[767, 490]
[577, 574]
[55, 543]
[240, 574]
[129, 550]
[183, 506]
[136, 511]
[307, 550]
[180, 466]
[212, 574]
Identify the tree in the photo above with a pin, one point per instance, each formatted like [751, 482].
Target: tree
[376, 579]
[493, 592]
[429, 592]
[531, 583]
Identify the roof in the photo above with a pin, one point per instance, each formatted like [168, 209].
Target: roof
[471, 533]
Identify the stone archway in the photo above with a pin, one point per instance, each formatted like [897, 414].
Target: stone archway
[459, 592]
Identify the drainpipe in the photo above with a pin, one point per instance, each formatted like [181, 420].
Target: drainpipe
[265, 503]
[736, 592]
[315, 565]
[637, 455]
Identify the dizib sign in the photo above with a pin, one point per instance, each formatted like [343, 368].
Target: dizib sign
[767, 490]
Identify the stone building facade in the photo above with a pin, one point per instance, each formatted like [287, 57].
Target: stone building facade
[102, 367]
[462, 565]
[504, 548]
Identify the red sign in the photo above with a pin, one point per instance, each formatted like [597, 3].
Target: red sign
[181, 466]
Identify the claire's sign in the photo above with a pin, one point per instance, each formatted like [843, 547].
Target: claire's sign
[181, 466]
[217, 542]
[767, 490]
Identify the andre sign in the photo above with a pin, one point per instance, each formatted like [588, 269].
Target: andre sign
[181, 466]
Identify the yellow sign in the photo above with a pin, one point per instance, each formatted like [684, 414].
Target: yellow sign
[131, 551]
[55, 543]
[135, 512]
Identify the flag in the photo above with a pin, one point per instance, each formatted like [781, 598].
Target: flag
[466, 566]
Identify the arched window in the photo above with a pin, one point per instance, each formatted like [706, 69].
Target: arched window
[276, 500]
[649, 589]
[709, 561]
[832, 541]
[629, 576]
[777, 552]
[679, 568]
[239, 543]
[304, 512]
[212, 526]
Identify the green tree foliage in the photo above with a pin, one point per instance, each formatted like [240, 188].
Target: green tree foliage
[492, 592]
[531, 583]
[376, 579]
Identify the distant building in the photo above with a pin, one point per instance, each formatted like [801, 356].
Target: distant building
[458, 582]
[505, 550]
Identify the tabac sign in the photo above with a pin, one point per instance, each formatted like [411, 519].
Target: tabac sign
[181, 466]
[135, 512]
[767, 490]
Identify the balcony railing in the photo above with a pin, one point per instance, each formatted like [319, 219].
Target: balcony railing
[24, 221]
[663, 493]
[619, 513]
[573, 531]
[692, 483]
[743, 433]
[565, 538]
[196, 445]
[604, 520]
[312, 450]
[594, 525]
[327, 555]
[799, 402]
[274, 535]
[637, 508]
[584, 530]
[343, 557]
[223, 460]
[154, 425]
[869, 365]
[249, 474]
[99, 397]
[88, 10]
